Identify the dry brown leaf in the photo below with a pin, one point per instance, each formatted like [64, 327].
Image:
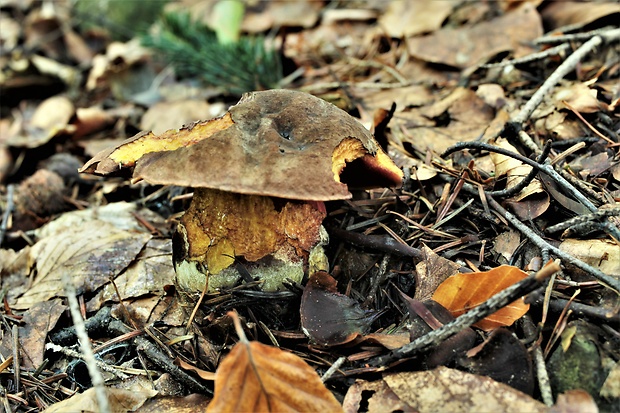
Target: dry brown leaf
[148, 274]
[506, 244]
[258, 378]
[39, 320]
[377, 394]
[431, 272]
[171, 115]
[50, 119]
[120, 401]
[91, 253]
[476, 44]
[329, 318]
[514, 170]
[600, 253]
[469, 118]
[194, 403]
[403, 18]
[448, 390]
[574, 401]
[205, 375]
[579, 97]
[462, 292]
[577, 14]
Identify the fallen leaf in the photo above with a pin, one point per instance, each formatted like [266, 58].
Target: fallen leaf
[460, 116]
[574, 401]
[506, 244]
[577, 14]
[470, 45]
[255, 377]
[431, 272]
[600, 253]
[39, 320]
[91, 253]
[120, 401]
[194, 403]
[403, 19]
[376, 395]
[462, 292]
[329, 318]
[449, 390]
[171, 115]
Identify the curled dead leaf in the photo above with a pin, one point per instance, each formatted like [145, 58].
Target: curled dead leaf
[462, 292]
[255, 377]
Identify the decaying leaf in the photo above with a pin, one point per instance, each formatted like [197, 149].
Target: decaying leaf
[329, 318]
[258, 378]
[432, 271]
[467, 46]
[463, 292]
[39, 320]
[426, 392]
[91, 253]
[120, 401]
[600, 253]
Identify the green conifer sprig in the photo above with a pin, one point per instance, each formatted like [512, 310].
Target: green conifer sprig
[194, 51]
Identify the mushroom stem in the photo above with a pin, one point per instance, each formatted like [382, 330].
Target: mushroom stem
[264, 233]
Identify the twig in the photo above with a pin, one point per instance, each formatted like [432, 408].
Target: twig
[333, 368]
[499, 300]
[565, 68]
[550, 38]
[10, 192]
[89, 357]
[529, 58]
[542, 244]
[544, 384]
[513, 190]
[545, 168]
[78, 355]
[582, 219]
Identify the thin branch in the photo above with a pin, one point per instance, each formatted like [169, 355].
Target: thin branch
[499, 300]
[87, 350]
[547, 169]
[565, 68]
[542, 244]
[582, 219]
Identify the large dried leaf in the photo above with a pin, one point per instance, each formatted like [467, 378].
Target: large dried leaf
[119, 400]
[90, 253]
[475, 44]
[448, 390]
[258, 378]
[460, 293]
[278, 143]
[599, 253]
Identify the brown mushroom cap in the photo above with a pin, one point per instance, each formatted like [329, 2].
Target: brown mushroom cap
[278, 143]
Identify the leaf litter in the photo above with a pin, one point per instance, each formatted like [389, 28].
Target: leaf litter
[458, 74]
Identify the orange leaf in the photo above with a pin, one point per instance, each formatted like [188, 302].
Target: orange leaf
[255, 377]
[462, 292]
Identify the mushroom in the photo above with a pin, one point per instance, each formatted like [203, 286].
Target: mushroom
[260, 174]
